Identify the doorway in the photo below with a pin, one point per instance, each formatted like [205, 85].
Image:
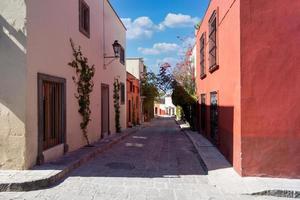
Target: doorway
[105, 110]
[51, 113]
[214, 115]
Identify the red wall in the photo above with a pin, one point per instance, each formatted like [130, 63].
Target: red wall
[133, 96]
[270, 103]
[226, 80]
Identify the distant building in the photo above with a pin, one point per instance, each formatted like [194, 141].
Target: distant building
[165, 107]
[248, 82]
[135, 68]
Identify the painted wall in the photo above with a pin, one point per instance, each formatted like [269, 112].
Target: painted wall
[12, 83]
[49, 52]
[114, 30]
[225, 80]
[134, 97]
[135, 66]
[270, 88]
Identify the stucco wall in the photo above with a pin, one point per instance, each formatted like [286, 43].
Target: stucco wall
[12, 83]
[50, 25]
[114, 30]
[135, 66]
[225, 80]
[270, 88]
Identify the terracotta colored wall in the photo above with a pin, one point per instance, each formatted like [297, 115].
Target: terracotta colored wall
[133, 96]
[226, 80]
[270, 88]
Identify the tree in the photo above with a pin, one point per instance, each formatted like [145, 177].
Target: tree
[150, 92]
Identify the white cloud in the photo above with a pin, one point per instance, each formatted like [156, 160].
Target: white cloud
[159, 48]
[177, 21]
[144, 27]
[139, 28]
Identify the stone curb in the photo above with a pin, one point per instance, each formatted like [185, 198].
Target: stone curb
[52, 179]
[274, 193]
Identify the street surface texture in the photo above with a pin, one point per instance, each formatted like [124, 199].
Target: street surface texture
[157, 163]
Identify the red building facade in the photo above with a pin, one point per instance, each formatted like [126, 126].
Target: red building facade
[133, 100]
[248, 80]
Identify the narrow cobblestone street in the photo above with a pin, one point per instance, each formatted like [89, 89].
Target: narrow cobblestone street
[158, 163]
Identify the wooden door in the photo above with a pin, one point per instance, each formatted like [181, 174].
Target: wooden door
[105, 130]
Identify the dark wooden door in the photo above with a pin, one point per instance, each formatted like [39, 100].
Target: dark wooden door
[104, 110]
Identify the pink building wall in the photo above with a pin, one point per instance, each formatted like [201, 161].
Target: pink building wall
[257, 83]
[226, 80]
[50, 25]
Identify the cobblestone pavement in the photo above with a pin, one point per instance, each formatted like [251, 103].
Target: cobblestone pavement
[158, 163]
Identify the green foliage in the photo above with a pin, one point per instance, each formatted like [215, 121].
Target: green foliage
[84, 82]
[117, 105]
[187, 102]
[150, 92]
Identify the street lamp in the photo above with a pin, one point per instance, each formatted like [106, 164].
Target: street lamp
[117, 51]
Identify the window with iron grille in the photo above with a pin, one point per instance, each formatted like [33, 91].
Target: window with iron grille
[213, 42]
[122, 56]
[202, 56]
[84, 18]
[122, 90]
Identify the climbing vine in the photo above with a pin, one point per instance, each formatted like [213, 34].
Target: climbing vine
[84, 81]
[117, 105]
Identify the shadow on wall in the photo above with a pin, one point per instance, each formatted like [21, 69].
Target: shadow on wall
[218, 128]
[12, 69]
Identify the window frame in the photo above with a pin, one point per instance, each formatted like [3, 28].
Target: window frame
[213, 42]
[122, 95]
[82, 19]
[122, 55]
[202, 56]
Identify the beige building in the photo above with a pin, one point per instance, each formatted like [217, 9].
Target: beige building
[39, 119]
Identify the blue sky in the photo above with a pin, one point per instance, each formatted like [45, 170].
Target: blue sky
[159, 30]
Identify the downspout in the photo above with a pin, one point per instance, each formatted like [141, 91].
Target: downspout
[103, 35]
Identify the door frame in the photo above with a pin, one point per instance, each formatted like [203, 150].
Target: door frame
[106, 86]
[41, 78]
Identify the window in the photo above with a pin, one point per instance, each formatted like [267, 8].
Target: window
[84, 18]
[122, 89]
[131, 86]
[214, 115]
[213, 43]
[51, 111]
[202, 57]
[122, 56]
[203, 111]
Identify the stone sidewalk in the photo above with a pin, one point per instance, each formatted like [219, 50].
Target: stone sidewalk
[46, 175]
[224, 177]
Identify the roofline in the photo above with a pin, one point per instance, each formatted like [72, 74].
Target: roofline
[116, 14]
[133, 58]
[204, 16]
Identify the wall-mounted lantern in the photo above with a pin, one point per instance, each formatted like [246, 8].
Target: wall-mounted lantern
[117, 51]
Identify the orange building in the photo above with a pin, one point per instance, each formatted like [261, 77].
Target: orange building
[248, 84]
[133, 100]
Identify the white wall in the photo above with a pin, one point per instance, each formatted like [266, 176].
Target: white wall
[135, 66]
[12, 83]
